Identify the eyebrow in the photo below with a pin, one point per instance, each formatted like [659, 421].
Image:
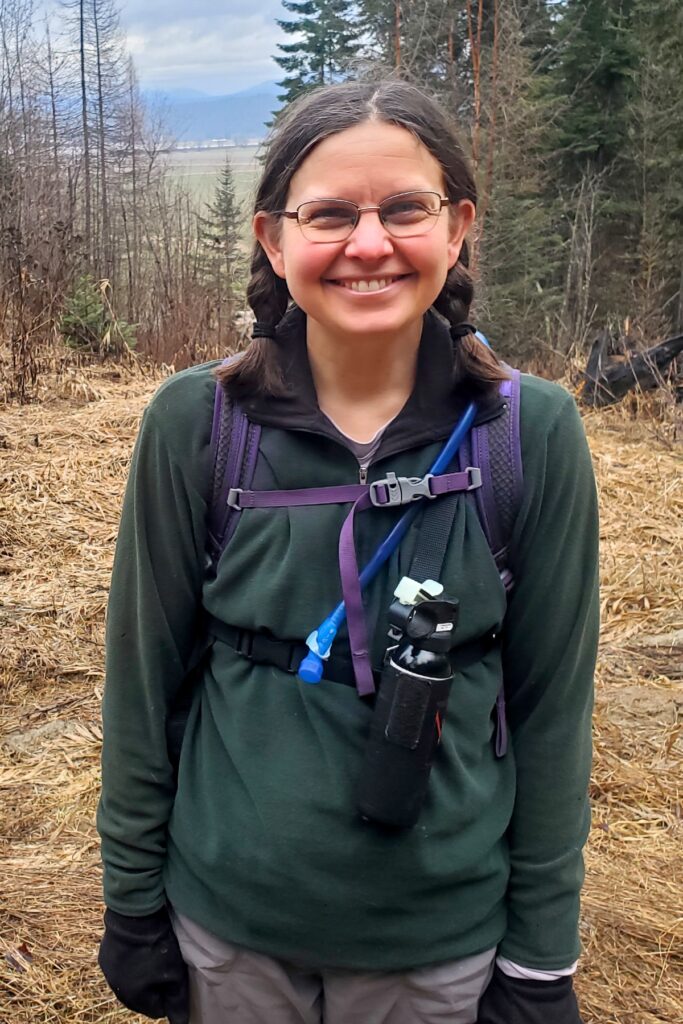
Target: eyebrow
[390, 195]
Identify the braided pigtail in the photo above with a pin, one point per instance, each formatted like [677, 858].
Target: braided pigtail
[257, 372]
[475, 367]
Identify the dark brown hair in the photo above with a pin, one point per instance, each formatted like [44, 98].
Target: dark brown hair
[308, 121]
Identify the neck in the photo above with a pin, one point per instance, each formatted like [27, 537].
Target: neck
[363, 379]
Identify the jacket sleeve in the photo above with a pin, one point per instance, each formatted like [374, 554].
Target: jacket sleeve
[152, 622]
[549, 652]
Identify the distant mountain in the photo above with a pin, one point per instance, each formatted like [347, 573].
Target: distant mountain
[262, 89]
[200, 118]
[174, 94]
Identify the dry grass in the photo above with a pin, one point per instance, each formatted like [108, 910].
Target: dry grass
[63, 465]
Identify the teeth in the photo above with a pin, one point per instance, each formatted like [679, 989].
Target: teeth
[369, 286]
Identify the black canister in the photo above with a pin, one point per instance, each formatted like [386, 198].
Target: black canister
[409, 711]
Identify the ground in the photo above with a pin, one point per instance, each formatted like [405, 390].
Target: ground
[63, 463]
[199, 170]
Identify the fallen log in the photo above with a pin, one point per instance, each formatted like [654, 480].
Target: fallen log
[607, 380]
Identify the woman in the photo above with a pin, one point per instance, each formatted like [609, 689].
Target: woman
[254, 875]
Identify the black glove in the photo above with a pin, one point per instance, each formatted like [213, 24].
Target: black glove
[522, 1001]
[141, 960]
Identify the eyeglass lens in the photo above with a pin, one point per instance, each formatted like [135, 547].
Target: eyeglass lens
[333, 220]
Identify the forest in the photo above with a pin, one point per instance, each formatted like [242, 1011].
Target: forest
[571, 113]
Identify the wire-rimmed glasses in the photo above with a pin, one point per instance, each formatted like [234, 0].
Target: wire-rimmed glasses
[334, 220]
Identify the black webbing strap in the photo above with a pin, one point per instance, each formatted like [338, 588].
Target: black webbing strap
[263, 649]
[433, 537]
[427, 564]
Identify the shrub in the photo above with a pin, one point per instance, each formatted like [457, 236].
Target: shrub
[88, 322]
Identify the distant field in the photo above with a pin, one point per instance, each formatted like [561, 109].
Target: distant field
[199, 171]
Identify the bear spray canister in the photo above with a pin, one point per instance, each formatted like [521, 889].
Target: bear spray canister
[410, 706]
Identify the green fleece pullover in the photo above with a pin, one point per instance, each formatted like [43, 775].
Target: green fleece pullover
[259, 841]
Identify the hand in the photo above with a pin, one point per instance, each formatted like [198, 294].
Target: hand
[521, 1001]
[141, 960]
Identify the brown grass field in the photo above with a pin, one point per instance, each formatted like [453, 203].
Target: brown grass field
[63, 463]
[198, 171]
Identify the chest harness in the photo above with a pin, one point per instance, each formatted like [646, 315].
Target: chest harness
[489, 471]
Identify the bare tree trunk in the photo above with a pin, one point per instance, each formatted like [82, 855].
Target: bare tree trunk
[106, 266]
[53, 102]
[20, 32]
[133, 249]
[397, 33]
[86, 140]
[491, 140]
[576, 307]
[474, 35]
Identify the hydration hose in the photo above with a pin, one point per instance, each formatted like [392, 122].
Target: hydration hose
[320, 641]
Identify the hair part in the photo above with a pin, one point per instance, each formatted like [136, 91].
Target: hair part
[313, 117]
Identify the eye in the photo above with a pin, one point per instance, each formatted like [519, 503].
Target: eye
[326, 215]
[407, 209]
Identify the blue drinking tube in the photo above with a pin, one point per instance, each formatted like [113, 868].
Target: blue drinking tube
[320, 641]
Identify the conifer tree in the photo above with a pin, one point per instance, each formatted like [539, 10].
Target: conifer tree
[221, 257]
[424, 39]
[593, 74]
[222, 225]
[657, 134]
[325, 46]
[590, 91]
[521, 271]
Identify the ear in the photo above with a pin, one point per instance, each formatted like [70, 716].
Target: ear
[267, 231]
[460, 219]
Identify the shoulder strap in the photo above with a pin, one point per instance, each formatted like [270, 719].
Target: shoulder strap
[495, 448]
[234, 448]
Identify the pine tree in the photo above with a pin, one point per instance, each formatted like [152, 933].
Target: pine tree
[325, 47]
[590, 90]
[221, 257]
[593, 74]
[424, 39]
[658, 157]
[520, 248]
[222, 226]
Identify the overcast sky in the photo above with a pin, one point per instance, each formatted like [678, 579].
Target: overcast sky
[217, 46]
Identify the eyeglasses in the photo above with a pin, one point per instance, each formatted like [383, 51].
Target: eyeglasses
[334, 220]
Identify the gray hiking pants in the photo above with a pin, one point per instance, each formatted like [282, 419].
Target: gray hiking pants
[232, 985]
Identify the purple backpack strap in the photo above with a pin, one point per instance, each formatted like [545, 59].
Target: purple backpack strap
[495, 448]
[234, 448]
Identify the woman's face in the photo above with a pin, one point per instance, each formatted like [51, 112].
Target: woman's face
[366, 164]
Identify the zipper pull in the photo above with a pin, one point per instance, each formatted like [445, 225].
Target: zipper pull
[362, 474]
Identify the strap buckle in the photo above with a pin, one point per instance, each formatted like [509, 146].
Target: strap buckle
[474, 473]
[400, 490]
[268, 650]
[234, 498]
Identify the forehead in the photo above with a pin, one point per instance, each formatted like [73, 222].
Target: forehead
[366, 163]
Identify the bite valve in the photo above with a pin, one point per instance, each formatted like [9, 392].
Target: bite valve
[311, 668]
[319, 643]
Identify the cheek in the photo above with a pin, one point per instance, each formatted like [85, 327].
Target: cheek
[307, 263]
[429, 252]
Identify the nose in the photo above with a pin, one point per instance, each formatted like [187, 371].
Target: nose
[370, 240]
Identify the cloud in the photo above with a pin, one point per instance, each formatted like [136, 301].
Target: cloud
[153, 13]
[202, 47]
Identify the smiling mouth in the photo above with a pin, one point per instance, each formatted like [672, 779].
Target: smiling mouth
[369, 284]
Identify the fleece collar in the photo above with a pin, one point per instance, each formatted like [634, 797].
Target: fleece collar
[429, 414]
